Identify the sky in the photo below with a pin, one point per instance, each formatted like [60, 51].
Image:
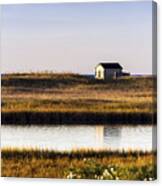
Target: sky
[75, 37]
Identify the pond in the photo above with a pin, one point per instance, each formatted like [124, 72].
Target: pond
[68, 137]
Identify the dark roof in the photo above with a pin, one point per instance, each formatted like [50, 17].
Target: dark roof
[111, 65]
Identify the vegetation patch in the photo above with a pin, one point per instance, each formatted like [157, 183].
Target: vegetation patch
[56, 97]
[79, 164]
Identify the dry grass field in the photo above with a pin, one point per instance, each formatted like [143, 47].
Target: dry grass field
[77, 94]
[81, 164]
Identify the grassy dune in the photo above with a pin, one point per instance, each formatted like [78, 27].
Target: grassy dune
[74, 94]
[81, 164]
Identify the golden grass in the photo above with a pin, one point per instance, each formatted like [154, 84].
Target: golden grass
[73, 92]
[79, 164]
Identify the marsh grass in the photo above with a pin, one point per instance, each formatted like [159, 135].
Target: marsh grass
[62, 94]
[79, 164]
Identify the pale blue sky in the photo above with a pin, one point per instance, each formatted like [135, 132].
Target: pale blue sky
[75, 37]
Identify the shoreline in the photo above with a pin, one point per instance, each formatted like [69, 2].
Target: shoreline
[84, 118]
[8, 152]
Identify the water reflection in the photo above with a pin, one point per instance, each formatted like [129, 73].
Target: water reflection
[112, 135]
[64, 137]
[100, 135]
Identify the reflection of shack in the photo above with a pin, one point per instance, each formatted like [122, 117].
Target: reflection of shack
[112, 135]
[99, 134]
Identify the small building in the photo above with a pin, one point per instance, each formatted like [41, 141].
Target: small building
[106, 71]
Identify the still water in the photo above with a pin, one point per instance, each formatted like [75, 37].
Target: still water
[65, 137]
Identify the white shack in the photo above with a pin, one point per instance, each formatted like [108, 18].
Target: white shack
[106, 71]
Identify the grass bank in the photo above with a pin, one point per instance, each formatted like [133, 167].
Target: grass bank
[79, 164]
[73, 98]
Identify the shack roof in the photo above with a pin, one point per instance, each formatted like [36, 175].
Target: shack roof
[111, 65]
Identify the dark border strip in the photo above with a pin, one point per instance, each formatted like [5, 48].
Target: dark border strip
[27, 118]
